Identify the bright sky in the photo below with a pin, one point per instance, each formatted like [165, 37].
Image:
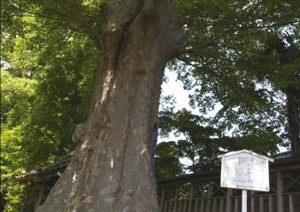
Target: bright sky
[175, 87]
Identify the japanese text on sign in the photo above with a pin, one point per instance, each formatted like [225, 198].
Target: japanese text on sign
[245, 171]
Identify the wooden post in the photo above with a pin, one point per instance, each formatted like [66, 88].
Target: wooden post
[162, 198]
[291, 203]
[228, 200]
[252, 201]
[261, 204]
[165, 208]
[215, 205]
[185, 204]
[279, 191]
[202, 205]
[179, 205]
[170, 206]
[191, 197]
[236, 204]
[175, 199]
[170, 209]
[221, 204]
[196, 205]
[270, 204]
[208, 205]
[244, 201]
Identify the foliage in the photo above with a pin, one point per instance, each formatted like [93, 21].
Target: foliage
[233, 66]
[47, 81]
[201, 144]
[17, 95]
[279, 65]
[278, 62]
[221, 35]
[240, 59]
[167, 161]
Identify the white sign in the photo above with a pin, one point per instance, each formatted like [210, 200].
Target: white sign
[245, 170]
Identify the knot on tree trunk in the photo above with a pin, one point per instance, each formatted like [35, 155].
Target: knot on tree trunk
[79, 133]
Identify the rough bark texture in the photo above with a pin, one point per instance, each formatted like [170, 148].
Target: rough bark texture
[110, 171]
[293, 106]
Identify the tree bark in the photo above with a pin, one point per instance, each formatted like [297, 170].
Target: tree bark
[293, 108]
[111, 170]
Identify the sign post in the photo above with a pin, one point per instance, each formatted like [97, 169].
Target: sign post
[244, 201]
[245, 170]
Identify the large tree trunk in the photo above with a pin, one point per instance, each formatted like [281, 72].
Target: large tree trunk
[111, 169]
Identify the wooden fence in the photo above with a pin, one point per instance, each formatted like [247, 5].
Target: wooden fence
[202, 192]
[194, 193]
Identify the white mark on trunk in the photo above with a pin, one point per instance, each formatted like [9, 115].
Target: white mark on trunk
[84, 145]
[143, 151]
[111, 158]
[74, 187]
[112, 163]
[112, 26]
[74, 178]
[106, 85]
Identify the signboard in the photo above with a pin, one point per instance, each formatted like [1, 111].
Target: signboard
[245, 170]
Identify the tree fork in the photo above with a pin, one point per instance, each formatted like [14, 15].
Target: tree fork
[111, 170]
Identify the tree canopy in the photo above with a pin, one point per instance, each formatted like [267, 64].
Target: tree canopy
[241, 56]
[240, 61]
